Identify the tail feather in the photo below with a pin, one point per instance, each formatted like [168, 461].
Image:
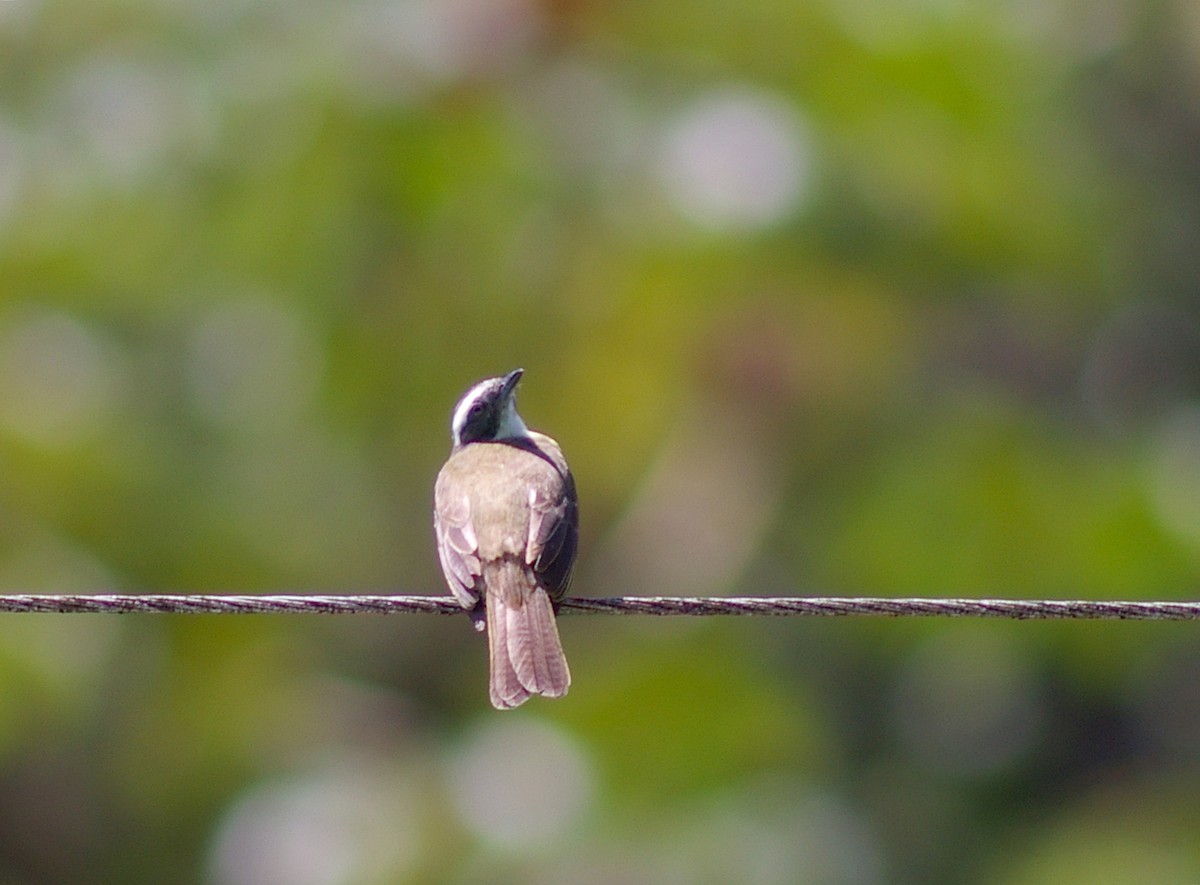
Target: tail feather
[504, 686]
[526, 653]
[534, 649]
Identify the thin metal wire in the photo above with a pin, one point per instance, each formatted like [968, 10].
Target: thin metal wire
[777, 606]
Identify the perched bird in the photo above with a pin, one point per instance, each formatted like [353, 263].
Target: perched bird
[507, 523]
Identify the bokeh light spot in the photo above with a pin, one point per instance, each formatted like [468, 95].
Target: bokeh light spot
[58, 378]
[520, 784]
[13, 160]
[1175, 472]
[253, 364]
[347, 825]
[967, 704]
[118, 117]
[736, 159]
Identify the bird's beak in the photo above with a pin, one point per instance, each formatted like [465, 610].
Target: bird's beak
[510, 382]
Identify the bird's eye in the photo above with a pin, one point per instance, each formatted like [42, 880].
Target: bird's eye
[475, 411]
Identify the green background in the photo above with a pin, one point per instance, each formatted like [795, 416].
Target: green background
[852, 297]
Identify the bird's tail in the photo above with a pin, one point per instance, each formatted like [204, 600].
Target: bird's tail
[526, 654]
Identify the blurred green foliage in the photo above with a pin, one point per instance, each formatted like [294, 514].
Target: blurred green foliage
[846, 298]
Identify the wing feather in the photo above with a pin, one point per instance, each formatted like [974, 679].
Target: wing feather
[458, 546]
[553, 536]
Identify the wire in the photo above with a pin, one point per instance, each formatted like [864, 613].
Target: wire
[806, 606]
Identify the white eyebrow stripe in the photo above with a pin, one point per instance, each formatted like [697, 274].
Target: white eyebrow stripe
[464, 406]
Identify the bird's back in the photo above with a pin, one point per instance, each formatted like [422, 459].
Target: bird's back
[498, 479]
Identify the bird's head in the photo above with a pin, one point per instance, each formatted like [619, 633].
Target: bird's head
[488, 412]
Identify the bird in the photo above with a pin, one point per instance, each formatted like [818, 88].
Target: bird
[506, 516]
